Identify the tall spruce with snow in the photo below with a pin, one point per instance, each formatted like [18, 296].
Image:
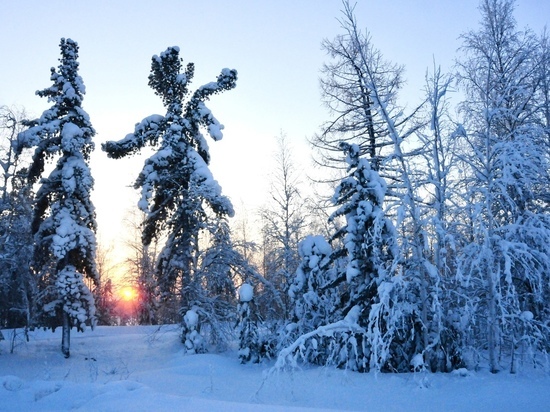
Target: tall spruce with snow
[355, 331]
[369, 249]
[177, 187]
[64, 217]
[416, 291]
[505, 262]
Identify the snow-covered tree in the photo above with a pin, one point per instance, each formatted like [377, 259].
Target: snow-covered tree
[250, 347]
[505, 262]
[369, 248]
[177, 187]
[221, 266]
[284, 219]
[64, 217]
[141, 264]
[433, 179]
[10, 163]
[311, 306]
[17, 285]
[356, 116]
[191, 337]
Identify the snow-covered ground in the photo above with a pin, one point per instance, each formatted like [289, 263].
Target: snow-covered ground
[144, 368]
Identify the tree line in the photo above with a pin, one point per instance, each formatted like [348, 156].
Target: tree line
[429, 253]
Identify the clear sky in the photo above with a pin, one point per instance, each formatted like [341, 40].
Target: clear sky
[274, 45]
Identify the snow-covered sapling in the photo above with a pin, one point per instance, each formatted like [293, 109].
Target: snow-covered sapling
[249, 340]
[310, 305]
[192, 339]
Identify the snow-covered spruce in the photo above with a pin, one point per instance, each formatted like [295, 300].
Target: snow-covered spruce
[311, 306]
[249, 339]
[370, 250]
[64, 216]
[357, 333]
[193, 341]
[178, 192]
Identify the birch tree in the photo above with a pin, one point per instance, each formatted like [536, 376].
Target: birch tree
[284, 221]
[17, 284]
[506, 262]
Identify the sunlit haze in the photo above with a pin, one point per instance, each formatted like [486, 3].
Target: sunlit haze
[128, 293]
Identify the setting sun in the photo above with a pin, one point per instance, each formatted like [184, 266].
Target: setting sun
[128, 293]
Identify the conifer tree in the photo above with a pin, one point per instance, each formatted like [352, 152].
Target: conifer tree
[250, 347]
[357, 117]
[311, 306]
[369, 249]
[64, 217]
[177, 187]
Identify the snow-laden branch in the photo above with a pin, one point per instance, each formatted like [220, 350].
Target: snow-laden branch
[287, 357]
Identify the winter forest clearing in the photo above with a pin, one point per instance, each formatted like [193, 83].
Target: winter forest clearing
[418, 260]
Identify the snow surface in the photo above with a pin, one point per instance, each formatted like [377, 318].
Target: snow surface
[144, 368]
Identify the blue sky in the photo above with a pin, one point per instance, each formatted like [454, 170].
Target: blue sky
[274, 45]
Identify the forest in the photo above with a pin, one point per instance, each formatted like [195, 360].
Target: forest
[422, 246]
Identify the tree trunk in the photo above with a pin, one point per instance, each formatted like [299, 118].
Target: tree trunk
[492, 330]
[66, 338]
